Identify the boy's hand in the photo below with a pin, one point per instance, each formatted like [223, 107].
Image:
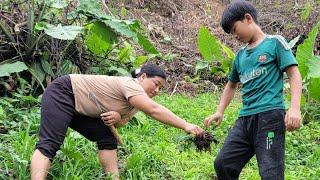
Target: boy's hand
[193, 129]
[293, 119]
[110, 118]
[217, 117]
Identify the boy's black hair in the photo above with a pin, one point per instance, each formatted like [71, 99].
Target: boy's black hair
[151, 70]
[235, 12]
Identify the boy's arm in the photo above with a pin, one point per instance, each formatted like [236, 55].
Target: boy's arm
[225, 100]
[293, 115]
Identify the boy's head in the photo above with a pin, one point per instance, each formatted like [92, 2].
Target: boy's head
[237, 11]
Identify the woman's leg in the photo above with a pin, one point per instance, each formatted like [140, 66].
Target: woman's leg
[95, 130]
[109, 162]
[57, 111]
[40, 165]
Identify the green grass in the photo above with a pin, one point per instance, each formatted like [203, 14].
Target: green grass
[152, 150]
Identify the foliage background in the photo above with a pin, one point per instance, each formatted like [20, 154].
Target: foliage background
[42, 40]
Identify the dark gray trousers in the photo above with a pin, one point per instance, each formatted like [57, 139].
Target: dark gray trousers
[261, 134]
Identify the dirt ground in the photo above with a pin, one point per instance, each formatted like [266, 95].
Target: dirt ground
[174, 24]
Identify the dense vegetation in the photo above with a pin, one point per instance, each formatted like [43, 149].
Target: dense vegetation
[151, 150]
[42, 40]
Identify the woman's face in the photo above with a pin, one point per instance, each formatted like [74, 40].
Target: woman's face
[151, 85]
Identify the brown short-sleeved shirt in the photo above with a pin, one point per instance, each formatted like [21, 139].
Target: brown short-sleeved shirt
[111, 92]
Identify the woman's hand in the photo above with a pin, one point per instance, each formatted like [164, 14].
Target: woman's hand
[193, 129]
[110, 118]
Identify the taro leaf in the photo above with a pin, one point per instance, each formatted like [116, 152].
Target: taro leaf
[228, 51]
[314, 67]
[294, 41]
[63, 32]
[139, 61]
[201, 65]
[100, 38]
[209, 46]
[121, 28]
[146, 44]
[8, 68]
[305, 50]
[129, 30]
[313, 88]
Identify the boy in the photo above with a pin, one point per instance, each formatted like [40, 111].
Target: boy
[260, 128]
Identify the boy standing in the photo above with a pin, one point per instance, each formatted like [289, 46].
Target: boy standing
[260, 128]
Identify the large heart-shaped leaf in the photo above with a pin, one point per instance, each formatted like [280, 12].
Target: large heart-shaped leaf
[313, 88]
[100, 38]
[314, 67]
[8, 68]
[209, 46]
[305, 50]
[63, 32]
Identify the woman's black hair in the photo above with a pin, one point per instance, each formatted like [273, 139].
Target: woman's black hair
[151, 70]
[235, 12]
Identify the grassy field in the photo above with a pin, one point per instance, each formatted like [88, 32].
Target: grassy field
[151, 151]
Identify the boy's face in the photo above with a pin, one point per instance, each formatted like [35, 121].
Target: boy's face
[242, 30]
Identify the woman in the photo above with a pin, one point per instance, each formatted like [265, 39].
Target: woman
[77, 101]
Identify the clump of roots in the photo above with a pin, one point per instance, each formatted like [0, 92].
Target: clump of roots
[203, 141]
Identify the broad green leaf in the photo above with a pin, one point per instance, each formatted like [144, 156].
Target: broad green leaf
[122, 28]
[139, 61]
[228, 51]
[46, 66]
[68, 68]
[209, 46]
[37, 72]
[294, 41]
[305, 50]
[90, 5]
[313, 88]
[8, 68]
[146, 44]
[314, 67]
[125, 52]
[100, 38]
[63, 32]
[201, 65]
[125, 28]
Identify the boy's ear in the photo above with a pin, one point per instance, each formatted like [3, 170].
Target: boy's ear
[248, 17]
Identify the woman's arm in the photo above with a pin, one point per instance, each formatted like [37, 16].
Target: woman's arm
[162, 114]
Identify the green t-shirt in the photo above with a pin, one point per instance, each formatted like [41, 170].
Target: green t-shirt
[260, 71]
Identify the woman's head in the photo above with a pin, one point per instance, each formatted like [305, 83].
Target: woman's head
[151, 77]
